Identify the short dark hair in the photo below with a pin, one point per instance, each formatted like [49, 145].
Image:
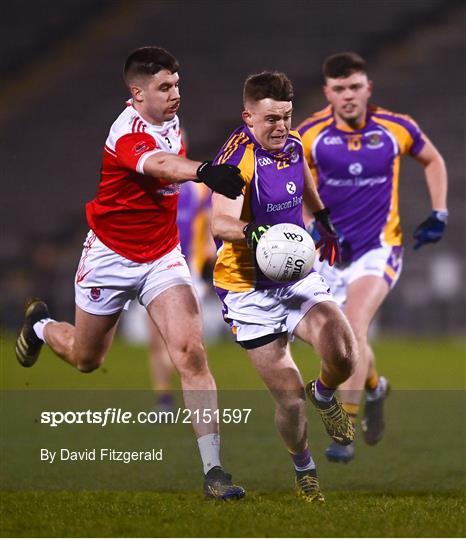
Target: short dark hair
[343, 65]
[268, 84]
[148, 61]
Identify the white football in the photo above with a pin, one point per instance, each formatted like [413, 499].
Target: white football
[285, 252]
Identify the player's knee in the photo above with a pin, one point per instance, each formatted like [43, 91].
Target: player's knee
[192, 359]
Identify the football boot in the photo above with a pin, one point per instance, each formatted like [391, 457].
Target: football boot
[218, 485]
[338, 453]
[372, 423]
[335, 419]
[307, 486]
[28, 345]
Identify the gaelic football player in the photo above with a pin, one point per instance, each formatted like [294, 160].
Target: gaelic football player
[353, 150]
[132, 250]
[265, 315]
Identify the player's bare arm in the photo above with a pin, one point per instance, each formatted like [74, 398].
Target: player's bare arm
[171, 167]
[168, 168]
[328, 238]
[226, 222]
[432, 229]
[312, 201]
[436, 174]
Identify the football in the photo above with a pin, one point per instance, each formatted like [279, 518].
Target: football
[285, 252]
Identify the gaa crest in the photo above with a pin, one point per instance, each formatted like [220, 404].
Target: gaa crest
[374, 140]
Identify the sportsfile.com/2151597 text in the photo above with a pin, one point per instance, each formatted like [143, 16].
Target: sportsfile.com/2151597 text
[113, 415]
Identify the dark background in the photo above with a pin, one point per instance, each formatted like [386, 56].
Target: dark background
[62, 88]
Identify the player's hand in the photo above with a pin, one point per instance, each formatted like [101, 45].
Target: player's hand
[431, 230]
[253, 232]
[223, 179]
[328, 242]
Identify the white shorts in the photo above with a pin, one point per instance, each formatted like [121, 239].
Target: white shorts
[106, 282]
[385, 262]
[260, 313]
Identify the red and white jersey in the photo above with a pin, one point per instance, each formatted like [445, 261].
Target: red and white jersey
[134, 214]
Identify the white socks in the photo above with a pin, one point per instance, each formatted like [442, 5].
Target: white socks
[39, 327]
[209, 447]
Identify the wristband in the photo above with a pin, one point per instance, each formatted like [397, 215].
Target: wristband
[441, 215]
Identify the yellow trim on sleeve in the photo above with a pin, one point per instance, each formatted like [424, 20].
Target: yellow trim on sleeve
[247, 164]
[391, 234]
[235, 269]
[400, 133]
[232, 145]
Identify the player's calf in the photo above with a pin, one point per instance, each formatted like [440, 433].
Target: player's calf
[339, 365]
[373, 423]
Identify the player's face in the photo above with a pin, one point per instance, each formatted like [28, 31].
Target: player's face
[269, 122]
[348, 97]
[158, 97]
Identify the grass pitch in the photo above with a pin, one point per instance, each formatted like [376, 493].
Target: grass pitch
[139, 514]
[411, 484]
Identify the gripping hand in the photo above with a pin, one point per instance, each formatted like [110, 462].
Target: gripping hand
[253, 232]
[328, 242]
[431, 230]
[223, 179]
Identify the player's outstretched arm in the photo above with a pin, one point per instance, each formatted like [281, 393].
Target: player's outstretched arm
[224, 179]
[431, 230]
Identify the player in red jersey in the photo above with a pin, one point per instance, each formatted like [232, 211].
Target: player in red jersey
[132, 250]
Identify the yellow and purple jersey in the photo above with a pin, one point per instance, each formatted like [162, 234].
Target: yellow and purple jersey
[357, 174]
[273, 194]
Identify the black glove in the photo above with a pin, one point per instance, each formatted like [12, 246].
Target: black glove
[253, 233]
[224, 179]
[328, 243]
[431, 230]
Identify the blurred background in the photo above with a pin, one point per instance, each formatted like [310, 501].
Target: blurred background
[62, 88]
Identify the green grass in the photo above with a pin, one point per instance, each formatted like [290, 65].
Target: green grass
[411, 484]
[67, 514]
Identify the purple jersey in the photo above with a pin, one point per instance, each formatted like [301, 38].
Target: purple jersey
[357, 174]
[273, 194]
[189, 205]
